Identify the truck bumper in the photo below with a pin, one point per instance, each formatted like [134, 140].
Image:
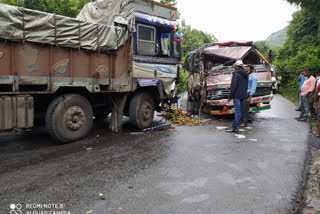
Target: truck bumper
[231, 111]
[255, 100]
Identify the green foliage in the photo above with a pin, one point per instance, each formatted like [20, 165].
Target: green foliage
[193, 39]
[169, 2]
[301, 49]
[263, 47]
[69, 8]
[312, 5]
[278, 38]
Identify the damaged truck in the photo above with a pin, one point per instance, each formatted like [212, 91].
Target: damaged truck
[117, 56]
[209, 73]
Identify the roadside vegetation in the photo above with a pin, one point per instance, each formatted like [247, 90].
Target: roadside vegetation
[70, 8]
[193, 39]
[301, 48]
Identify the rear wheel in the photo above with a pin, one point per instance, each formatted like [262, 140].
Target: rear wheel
[141, 110]
[69, 118]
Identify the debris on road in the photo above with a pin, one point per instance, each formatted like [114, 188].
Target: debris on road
[208, 120]
[102, 196]
[171, 128]
[155, 127]
[221, 127]
[176, 116]
[240, 136]
[89, 212]
[136, 133]
[253, 140]
[88, 149]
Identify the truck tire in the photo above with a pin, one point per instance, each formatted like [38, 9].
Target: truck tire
[69, 118]
[141, 110]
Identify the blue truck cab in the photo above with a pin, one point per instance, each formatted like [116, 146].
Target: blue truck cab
[156, 47]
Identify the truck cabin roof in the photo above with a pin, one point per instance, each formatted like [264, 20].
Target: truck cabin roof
[154, 20]
[228, 51]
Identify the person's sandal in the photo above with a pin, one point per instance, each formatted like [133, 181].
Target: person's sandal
[231, 130]
[302, 120]
[242, 125]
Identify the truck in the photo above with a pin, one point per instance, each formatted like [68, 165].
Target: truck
[117, 56]
[209, 73]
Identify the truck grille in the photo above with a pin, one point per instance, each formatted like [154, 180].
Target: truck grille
[217, 94]
[263, 91]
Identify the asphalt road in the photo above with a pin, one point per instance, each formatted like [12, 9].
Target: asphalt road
[197, 169]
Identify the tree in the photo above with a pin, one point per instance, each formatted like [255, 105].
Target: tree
[301, 49]
[69, 8]
[169, 2]
[312, 5]
[193, 39]
[263, 47]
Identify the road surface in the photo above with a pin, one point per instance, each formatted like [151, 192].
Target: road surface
[197, 169]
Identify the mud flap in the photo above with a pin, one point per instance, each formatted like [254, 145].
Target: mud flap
[118, 105]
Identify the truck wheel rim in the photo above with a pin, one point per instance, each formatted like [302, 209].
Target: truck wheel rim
[147, 111]
[75, 118]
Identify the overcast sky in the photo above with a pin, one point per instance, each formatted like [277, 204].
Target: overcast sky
[237, 19]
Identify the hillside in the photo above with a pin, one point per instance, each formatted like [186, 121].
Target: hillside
[277, 39]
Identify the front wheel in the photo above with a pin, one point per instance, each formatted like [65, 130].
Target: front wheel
[141, 110]
[69, 118]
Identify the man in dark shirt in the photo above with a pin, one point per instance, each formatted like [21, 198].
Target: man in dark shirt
[238, 92]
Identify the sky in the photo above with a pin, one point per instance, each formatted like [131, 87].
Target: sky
[237, 19]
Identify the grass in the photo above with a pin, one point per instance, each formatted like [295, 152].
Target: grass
[292, 95]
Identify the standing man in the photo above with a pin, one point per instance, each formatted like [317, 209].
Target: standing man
[252, 86]
[238, 92]
[300, 79]
[306, 90]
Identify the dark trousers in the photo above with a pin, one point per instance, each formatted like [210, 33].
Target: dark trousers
[244, 111]
[305, 107]
[237, 113]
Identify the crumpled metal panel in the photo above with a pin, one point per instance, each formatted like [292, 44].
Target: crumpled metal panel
[193, 60]
[231, 42]
[234, 53]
